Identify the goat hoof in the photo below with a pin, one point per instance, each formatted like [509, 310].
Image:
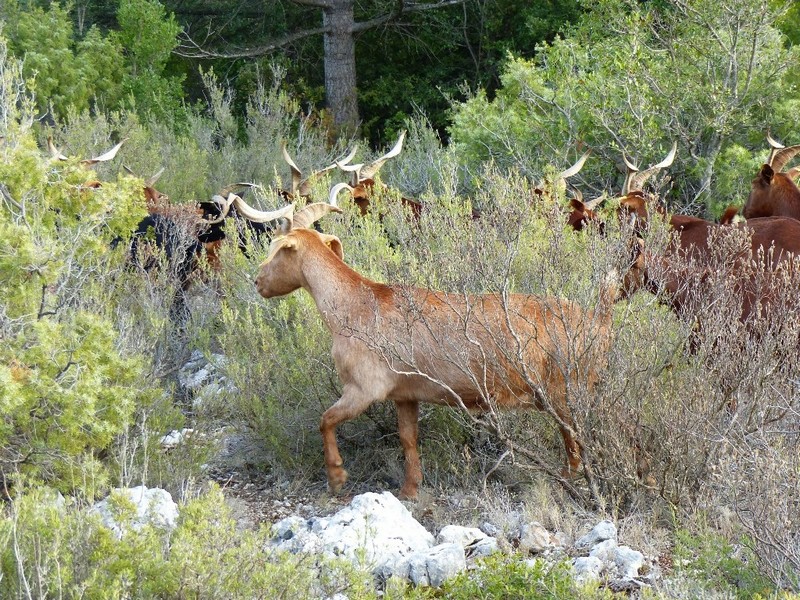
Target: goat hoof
[336, 481]
[408, 493]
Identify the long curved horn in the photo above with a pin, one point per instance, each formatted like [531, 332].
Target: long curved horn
[370, 170]
[355, 178]
[333, 197]
[305, 185]
[225, 206]
[297, 174]
[631, 171]
[55, 152]
[639, 179]
[783, 156]
[311, 213]
[261, 216]
[152, 181]
[595, 202]
[104, 157]
[574, 169]
[774, 146]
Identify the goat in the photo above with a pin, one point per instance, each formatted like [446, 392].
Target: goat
[183, 234]
[415, 345]
[773, 192]
[301, 187]
[633, 199]
[362, 181]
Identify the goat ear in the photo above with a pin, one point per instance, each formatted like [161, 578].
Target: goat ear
[577, 204]
[332, 242]
[793, 172]
[766, 173]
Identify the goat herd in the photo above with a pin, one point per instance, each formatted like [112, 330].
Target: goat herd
[476, 352]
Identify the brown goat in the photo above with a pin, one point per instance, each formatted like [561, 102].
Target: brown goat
[362, 181]
[773, 241]
[413, 345]
[773, 192]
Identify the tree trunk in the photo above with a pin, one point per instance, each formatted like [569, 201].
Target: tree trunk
[340, 65]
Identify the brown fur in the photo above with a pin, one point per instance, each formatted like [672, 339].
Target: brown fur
[413, 345]
[773, 195]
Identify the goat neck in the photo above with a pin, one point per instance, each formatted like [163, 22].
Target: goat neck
[306, 259]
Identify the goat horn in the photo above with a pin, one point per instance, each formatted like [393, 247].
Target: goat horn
[304, 188]
[297, 174]
[225, 207]
[774, 147]
[595, 202]
[237, 186]
[260, 216]
[311, 213]
[631, 171]
[370, 171]
[783, 156]
[55, 152]
[333, 197]
[104, 157]
[639, 179]
[574, 169]
[355, 178]
[152, 181]
[577, 193]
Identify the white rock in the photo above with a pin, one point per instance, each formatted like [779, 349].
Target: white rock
[534, 538]
[455, 534]
[604, 550]
[604, 530]
[433, 566]
[154, 506]
[628, 561]
[374, 528]
[174, 438]
[484, 547]
[587, 567]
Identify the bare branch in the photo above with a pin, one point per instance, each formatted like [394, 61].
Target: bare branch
[189, 48]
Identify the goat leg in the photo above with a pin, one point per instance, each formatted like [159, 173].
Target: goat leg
[352, 403]
[408, 426]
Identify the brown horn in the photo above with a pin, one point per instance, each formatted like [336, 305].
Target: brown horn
[312, 213]
[783, 156]
[297, 174]
[55, 152]
[152, 181]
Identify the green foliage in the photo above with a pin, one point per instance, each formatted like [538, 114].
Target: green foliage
[66, 73]
[149, 36]
[52, 548]
[719, 565]
[632, 77]
[501, 576]
[67, 387]
[72, 72]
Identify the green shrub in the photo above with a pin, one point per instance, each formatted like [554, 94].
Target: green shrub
[52, 548]
[718, 564]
